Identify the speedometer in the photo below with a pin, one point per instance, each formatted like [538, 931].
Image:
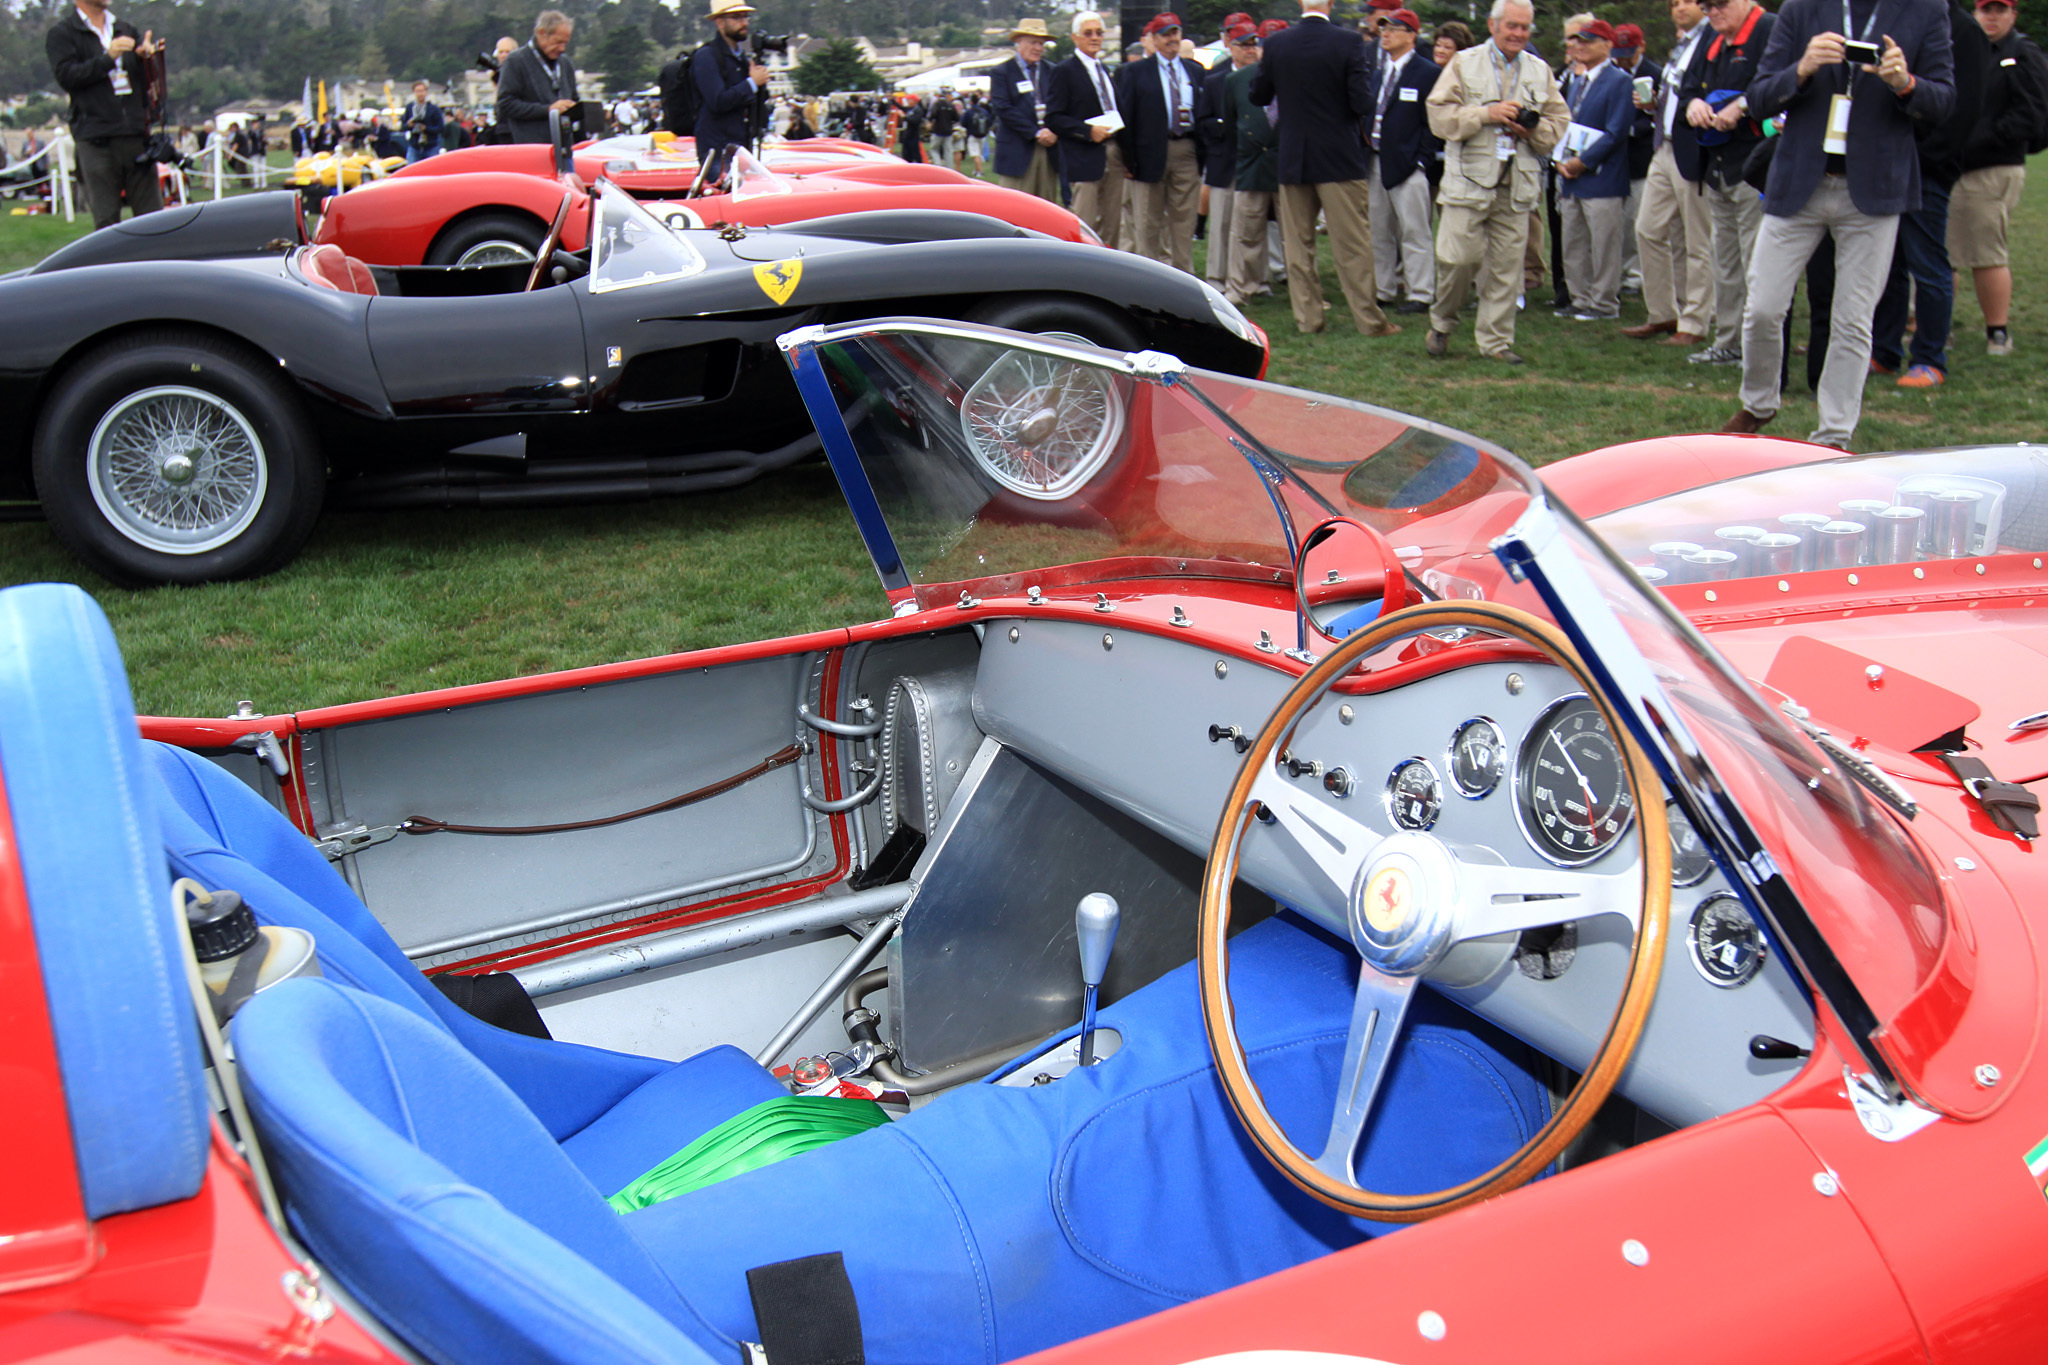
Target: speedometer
[1571, 787]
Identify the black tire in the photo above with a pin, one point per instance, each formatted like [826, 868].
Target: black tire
[238, 501]
[1098, 323]
[497, 237]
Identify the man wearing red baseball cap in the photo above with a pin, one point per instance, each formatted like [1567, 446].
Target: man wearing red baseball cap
[1402, 148]
[1629, 55]
[1162, 103]
[1592, 169]
[1318, 74]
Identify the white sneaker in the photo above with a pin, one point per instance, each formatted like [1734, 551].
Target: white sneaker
[1999, 343]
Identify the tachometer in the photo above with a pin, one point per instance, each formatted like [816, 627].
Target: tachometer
[1571, 789]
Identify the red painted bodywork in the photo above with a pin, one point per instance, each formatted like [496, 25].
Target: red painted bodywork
[395, 221]
[1784, 1231]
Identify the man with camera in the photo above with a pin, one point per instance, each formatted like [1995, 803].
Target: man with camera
[732, 85]
[423, 125]
[1846, 177]
[1499, 113]
[537, 79]
[99, 59]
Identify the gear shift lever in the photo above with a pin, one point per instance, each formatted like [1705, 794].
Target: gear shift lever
[1095, 921]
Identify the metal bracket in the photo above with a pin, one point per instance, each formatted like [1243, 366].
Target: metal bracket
[337, 843]
[1885, 1119]
[270, 749]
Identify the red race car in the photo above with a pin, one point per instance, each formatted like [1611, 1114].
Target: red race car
[1284, 886]
[486, 205]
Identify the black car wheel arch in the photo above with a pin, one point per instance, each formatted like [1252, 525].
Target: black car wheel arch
[177, 456]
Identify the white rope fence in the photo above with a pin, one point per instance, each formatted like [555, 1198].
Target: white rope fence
[59, 163]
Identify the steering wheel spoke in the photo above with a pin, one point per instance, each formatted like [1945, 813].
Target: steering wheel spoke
[1506, 900]
[1334, 842]
[1376, 1016]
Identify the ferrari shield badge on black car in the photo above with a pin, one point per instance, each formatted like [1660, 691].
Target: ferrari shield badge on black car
[778, 278]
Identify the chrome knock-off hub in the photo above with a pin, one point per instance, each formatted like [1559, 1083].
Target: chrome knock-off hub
[1404, 905]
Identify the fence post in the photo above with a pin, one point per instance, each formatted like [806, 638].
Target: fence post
[213, 146]
[60, 148]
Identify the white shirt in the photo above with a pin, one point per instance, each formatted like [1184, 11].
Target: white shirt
[1173, 78]
[1098, 76]
[1679, 61]
[119, 75]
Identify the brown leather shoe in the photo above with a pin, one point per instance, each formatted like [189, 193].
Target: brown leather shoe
[1746, 423]
[1644, 331]
[1385, 329]
[1683, 339]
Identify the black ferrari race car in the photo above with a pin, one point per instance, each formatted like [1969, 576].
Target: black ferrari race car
[198, 383]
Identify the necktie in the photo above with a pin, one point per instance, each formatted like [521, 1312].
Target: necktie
[1102, 88]
[1174, 78]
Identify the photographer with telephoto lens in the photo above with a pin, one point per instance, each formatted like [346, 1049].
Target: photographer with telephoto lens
[99, 60]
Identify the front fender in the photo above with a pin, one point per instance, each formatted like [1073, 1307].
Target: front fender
[394, 221]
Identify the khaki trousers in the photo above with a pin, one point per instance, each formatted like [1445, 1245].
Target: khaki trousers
[1591, 229]
[1863, 261]
[1482, 244]
[1166, 208]
[1401, 245]
[1222, 233]
[1346, 209]
[1631, 254]
[1675, 236]
[1100, 203]
[1042, 178]
[1736, 212]
[1248, 244]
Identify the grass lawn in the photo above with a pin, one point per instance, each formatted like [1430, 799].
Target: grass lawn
[381, 603]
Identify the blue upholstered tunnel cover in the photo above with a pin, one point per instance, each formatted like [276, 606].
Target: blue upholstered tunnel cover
[991, 1223]
[113, 971]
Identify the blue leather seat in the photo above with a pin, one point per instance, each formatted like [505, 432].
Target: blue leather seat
[616, 1115]
[991, 1223]
[105, 931]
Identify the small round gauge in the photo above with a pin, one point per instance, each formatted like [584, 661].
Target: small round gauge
[1414, 796]
[1571, 789]
[1479, 757]
[1726, 945]
[1691, 859]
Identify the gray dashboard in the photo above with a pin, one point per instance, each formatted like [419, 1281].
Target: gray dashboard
[1127, 715]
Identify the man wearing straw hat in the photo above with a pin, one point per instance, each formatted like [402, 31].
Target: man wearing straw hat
[729, 84]
[1017, 95]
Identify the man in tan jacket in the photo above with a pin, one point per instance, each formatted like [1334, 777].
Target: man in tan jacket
[1499, 113]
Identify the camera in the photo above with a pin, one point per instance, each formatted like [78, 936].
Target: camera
[486, 62]
[768, 42]
[1529, 118]
[1867, 54]
[161, 149]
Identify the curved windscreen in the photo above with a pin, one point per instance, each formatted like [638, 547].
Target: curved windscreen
[971, 457]
[630, 247]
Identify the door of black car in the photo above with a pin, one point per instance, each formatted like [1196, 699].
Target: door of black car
[502, 355]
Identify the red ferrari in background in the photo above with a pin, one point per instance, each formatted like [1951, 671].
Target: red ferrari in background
[486, 205]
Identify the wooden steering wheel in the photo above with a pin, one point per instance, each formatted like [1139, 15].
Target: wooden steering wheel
[546, 256]
[1408, 899]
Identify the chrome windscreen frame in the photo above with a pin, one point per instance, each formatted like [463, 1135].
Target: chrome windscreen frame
[1534, 550]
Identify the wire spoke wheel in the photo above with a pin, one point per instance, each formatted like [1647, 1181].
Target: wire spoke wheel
[1041, 426]
[177, 470]
[497, 251]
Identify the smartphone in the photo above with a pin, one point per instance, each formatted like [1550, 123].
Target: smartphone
[1867, 54]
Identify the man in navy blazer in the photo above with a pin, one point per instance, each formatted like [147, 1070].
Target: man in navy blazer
[1083, 90]
[1320, 75]
[1026, 149]
[1849, 177]
[1402, 145]
[1163, 103]
[1592, 191]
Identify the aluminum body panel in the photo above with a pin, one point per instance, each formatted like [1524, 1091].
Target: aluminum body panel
[570, 755]
[1060, 698]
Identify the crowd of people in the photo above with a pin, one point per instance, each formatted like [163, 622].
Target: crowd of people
[1712, 183]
